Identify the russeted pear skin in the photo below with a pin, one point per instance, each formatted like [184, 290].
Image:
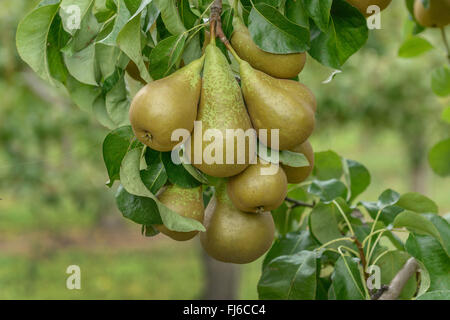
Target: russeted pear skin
[234, 236]
[257, 191]
[362, 5]
[221, 108]
[278, 104]
[299, 174]
[437, 15]
[283, 66]
[187, 203]
[165, 105]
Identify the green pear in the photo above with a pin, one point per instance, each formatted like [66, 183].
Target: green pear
[187, 203]
[255, 190]
[232, 235]
[221, 108]
[437, 15]
[278, 104]
[284, 66]
[299, 174]
[165, 105]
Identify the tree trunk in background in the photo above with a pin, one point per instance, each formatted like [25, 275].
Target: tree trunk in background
[222, 279]
[417, 152]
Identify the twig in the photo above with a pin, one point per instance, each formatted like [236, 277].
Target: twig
[298, 203]
[361, 256]
[378, 293]
[216, 20]
[444, 39]
[398, 283]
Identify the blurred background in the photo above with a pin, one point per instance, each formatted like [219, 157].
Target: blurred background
[55, 209]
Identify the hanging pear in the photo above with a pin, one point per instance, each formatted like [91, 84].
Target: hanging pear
[281, 104]
[362, 5]
[437, 15]
[234, 236]
[187, 203]
[284, 66]
[221, 112]
[165, 105]
[299, 174]
[261, 187]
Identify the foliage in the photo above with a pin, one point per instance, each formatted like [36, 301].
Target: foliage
[339, 238]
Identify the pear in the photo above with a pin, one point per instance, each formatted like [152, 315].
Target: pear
[165, 105]
[281, 104]
[133, 71]
[362, 5]
[255, 191]
[232, 235]
[187, 203]
[437, 15]
[221, 108]
[299, 174]
[284, 66]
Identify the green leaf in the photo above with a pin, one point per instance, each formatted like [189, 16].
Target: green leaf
[296, 12]
[290, 277]
[443, 228]
[102, 116]
[359, 178]
[177, 173]
[446, 115]
[186, 15]
[437, 262]
[416, 223]
[416, 202]
[141, 210]
[390, 264]
[115, 147]
[32, 39]
[273, 32]
[122, 17]
[131, 181]
[165, 55]
[323, 224]
[440, 81]
[387, 215]
[328, 190]
[292, 159]
[319, 11]
[69, 11]
[388, 198]
[347, 32]
[327, 165]
[154, 177]
[170, 16]
[289, 244]
[435, 295]
[117, 103]
[82, 65]
[347, 283]
[82, 94]
[439, 157]
[414, 47]
[129, 41]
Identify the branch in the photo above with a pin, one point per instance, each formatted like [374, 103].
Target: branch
[444, 39]
[362, 257]
[298, 203]
[398, 283]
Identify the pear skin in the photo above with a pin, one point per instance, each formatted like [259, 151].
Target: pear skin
[299, 174]
[221, 108]
[278, 104]
[165, 105]
[187, 203]
[437, 15]
[253, 191]
[362, 5]
[234, 236]
[283, 66]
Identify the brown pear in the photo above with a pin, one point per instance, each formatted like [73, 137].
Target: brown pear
[299, 174]
[362, 5]
[284, 66]
[232, 235]
[437, 15]
[187, 203]
[261, 187]
[165, 105]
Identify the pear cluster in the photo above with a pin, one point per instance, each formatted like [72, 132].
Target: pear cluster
[239, 224]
